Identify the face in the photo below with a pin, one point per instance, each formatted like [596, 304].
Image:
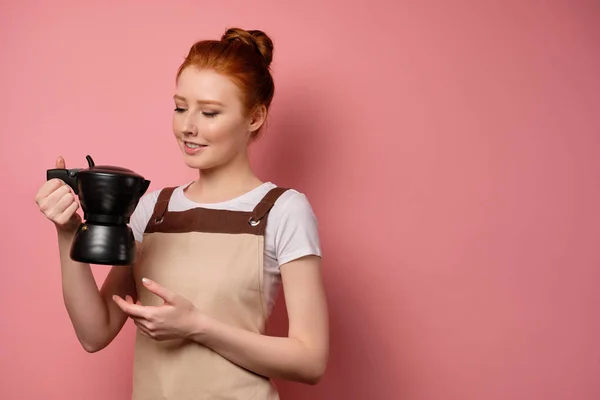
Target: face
[210, 122]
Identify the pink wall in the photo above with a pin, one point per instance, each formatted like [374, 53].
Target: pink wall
[451, 153]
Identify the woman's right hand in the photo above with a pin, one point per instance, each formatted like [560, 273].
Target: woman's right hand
[57, 202]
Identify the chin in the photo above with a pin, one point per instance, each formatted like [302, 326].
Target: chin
[195, 163]
[206, 160]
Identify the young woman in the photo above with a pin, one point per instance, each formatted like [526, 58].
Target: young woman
[212, 253]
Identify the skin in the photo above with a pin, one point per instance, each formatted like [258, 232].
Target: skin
[209, 111]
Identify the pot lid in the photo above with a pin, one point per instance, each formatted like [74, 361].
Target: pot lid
[108, 169]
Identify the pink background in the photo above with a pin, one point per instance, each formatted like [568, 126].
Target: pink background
[450, 150]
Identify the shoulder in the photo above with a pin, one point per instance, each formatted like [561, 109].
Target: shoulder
[295, 227]
[150, 197]
[292, 203]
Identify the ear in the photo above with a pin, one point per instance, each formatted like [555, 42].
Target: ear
[257, 118]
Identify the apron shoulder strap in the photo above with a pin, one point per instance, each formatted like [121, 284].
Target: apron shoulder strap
[160, 208]
[268, 201]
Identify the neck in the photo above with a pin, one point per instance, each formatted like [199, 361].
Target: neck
[224, 182]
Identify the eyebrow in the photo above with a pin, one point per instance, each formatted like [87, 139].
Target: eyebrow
[214, 102]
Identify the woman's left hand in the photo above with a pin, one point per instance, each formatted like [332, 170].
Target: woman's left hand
[176, 318]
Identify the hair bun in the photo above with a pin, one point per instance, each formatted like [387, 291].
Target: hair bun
[261, 42]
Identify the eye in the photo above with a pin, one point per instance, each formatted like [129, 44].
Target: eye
[209, 114]
[179, 110]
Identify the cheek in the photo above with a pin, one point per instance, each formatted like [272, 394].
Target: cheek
[221, 131]
[177, 124]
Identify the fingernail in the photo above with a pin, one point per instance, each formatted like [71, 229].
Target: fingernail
[146, 280]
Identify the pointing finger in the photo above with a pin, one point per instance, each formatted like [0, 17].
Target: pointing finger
[132, 309]
[163, 293]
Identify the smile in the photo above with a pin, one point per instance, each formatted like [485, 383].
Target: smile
[194, 145]
[193, 148]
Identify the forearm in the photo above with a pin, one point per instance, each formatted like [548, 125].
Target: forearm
[274, 357]
[86, 307]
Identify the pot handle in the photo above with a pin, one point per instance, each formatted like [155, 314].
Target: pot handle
[69, 176]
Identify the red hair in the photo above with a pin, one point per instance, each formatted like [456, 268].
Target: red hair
[243, 56]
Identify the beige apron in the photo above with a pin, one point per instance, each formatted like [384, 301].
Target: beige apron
[214, 258]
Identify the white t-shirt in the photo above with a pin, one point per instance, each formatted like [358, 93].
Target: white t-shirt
[291, 232]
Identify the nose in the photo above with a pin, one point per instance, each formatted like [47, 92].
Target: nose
[189, 129]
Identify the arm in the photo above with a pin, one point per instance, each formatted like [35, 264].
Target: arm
[302, 355]
[95, 317]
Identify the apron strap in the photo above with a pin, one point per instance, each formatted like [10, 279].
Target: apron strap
[268, 201]
[160, 208]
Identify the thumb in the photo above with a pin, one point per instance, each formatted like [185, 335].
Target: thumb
[60, 163]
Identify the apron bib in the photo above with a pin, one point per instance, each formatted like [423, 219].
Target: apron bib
[214, 258]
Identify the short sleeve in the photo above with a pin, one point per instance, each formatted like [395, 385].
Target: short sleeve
[142, 214]
[297, 230]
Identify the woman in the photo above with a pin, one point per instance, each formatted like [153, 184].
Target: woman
[212, 253]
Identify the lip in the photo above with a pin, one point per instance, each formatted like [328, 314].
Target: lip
[191, 151]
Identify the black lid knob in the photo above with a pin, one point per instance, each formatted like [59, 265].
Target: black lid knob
[90, 161]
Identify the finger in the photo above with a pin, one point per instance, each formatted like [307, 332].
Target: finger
[55, 204]
[52, 184]
[67, 214]
[132, 309]
[147, 325]
[142, 329]
[144, 325]
[50, 200]
[47, 188]
[60, 163]
[130, 300]
[63, 203]
[163, 293]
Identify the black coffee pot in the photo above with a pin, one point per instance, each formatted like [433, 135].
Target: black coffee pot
[108, 196]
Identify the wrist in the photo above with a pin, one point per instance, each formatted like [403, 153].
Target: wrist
[66, 233]
[199, 328]
[69, 229]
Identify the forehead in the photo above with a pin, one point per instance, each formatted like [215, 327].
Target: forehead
[206, 85]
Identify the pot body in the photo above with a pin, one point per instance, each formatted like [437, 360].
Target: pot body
[104, 245]
[109, 198]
